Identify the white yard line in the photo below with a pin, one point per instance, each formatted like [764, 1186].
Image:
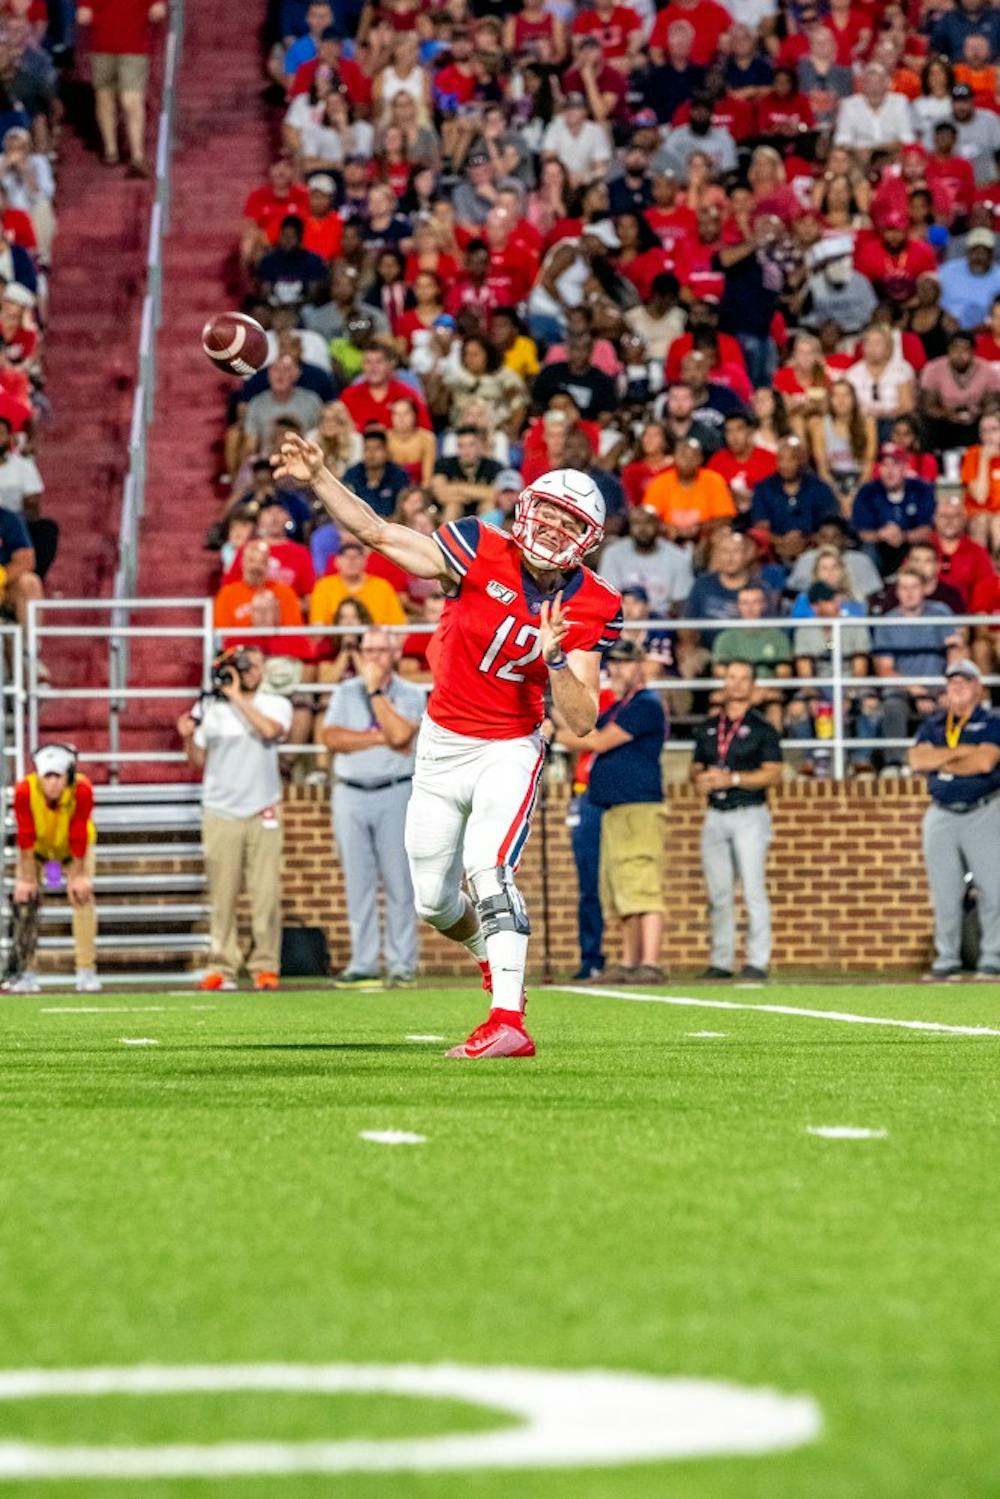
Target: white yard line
[425, 1038]
[844, 1016]
[845, 1132]
[587, 1418]
[138, 1041]
[392, 1137]
[707, 1035]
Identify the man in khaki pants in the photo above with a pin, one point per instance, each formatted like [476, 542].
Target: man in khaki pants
[234, 738]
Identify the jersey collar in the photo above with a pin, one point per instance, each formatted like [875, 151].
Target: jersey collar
[534, 595]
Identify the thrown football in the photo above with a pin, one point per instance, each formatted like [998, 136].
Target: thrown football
[235, 343]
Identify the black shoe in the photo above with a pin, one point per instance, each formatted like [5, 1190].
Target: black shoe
[587, 973]
[752, 975]
[715, 973]
[987, 975]
[942, 976]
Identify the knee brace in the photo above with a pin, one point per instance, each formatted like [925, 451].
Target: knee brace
[499, 902]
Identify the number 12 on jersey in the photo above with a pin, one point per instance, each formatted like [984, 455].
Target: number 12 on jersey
[527, 635]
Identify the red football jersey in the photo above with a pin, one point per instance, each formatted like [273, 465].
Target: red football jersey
[489, 676]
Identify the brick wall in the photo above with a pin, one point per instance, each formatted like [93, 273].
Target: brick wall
[846, 877]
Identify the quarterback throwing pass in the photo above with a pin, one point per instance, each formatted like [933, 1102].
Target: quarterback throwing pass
[522, 612]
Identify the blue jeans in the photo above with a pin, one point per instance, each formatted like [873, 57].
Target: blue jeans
[586, 842]
[761, 358]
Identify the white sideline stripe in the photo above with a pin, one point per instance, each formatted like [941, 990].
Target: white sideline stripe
[102, 1010]
[425, 1038]
[580, 1418]
[392, 1137]
[730, 1004]
[138, 1041]
[708, 1035]
[845, 1132]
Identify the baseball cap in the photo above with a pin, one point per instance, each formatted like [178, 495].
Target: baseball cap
[322, 183]
[625, 650]
[54, 760]
[967, 669]
[575, 98]
[821, 593]
[444, 320]
[477, 159]
[509, 478]
[21, 295]
[962, 91]
[893, 450]
[330, 34]
[980, 239]
[604, 231]
[635, 591]
[894, 218]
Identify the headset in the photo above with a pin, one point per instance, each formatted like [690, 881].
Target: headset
[68, 750]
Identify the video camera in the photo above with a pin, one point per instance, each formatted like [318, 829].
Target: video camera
[225, 667]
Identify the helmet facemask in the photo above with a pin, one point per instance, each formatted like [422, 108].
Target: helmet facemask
[568, 549]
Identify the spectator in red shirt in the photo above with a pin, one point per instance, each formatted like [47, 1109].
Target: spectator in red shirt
[655, 457]
[702, 315]
[266, 206]
[740, 461]
[456, 83]
[472, 290]
[119, 68]
[369, 399]
[964, 563]
[784, 112]
[617, 28]
[604, 86]
[288, 562]
[710, 20]
[952, 173]
[352, 80]
[891, 260]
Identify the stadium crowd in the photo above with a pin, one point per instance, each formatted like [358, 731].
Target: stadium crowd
[738, 263]
[29, 120]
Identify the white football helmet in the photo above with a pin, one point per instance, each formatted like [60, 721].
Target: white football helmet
[574, 492]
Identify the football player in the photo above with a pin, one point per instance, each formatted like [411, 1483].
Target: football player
[523, 612]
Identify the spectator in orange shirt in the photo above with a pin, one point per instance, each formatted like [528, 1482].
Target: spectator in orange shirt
[352, 580]
[257, 602]
[977, 70]
[254, 601]
[289, 562]
[689, 499]
[324, 231]
[981, 477]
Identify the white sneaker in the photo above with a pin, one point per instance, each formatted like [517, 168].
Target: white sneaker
[25, 983]
[87, 981]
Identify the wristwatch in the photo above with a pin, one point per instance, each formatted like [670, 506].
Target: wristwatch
[735, 778]
[379, 692]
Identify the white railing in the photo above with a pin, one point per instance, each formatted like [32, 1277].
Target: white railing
[836, 687]
[134, 487]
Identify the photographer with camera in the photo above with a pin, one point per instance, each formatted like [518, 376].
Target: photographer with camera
[233, 734]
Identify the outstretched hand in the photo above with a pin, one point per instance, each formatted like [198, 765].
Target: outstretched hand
[553, 627]
[297, 459]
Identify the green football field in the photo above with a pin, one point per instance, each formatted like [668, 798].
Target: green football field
[644, 1198]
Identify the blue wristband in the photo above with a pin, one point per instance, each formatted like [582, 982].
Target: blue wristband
[560, 662]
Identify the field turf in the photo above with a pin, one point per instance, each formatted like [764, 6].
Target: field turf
[637, 1198]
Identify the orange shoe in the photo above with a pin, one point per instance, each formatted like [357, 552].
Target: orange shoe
[265, 981]
[213, 981]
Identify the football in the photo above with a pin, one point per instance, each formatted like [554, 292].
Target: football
[235, 343]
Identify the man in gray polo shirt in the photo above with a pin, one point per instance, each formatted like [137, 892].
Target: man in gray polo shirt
[370, 725]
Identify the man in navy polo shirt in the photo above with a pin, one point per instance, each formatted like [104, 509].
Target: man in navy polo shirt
[792, 503]
[626, 782]
[959, 752]
[892, 511]
[376, 479]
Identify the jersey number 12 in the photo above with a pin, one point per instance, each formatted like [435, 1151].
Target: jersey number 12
[527, 635]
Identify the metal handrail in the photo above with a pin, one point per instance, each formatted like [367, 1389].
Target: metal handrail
[134, 487]
[838, 685]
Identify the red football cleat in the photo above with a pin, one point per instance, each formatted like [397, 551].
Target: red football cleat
[502, 1034]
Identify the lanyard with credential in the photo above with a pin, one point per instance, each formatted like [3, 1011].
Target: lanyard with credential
[726, 736]
[953, 730]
